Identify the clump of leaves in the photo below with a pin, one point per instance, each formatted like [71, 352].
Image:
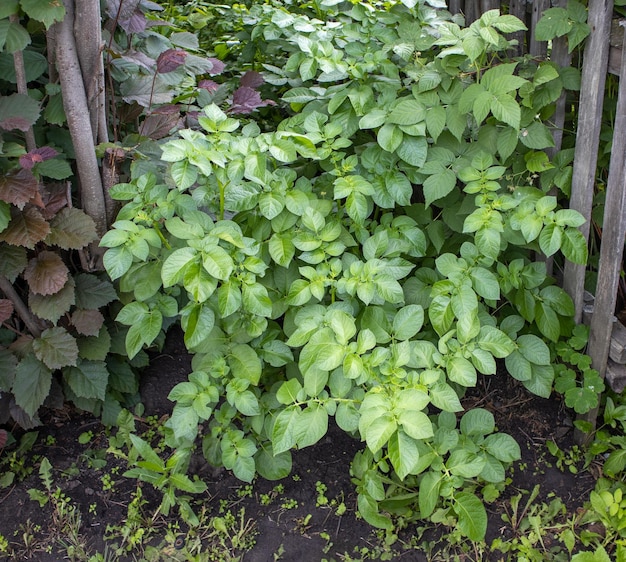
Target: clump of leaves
[368, 259]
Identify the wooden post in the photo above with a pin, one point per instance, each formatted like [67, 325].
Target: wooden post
[611, 250]
[517, 8]
[471, 11]
[595, 64]
[537, 48]
[455, 6]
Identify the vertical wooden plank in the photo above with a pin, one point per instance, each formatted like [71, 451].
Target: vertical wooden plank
[612, 247]
[537, 48]
[517, 8]
[595, 62]
[472, 11]
[455, 6]
[563, 58]
[486, 5]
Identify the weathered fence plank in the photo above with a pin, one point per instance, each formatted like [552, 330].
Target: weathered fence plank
[595, 63]
[612, 247]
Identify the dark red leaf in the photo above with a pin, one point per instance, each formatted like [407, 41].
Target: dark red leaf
[46, 274]
[208, 85]
[54, 198]
[252, 79]
[6, 310]
[18, 187]
[218, 66]
[170, 60]
[246, 100]
[33, 157]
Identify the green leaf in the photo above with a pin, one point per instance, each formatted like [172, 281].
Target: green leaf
[495, 341]
[368, 508]
[506, 109]
[283, 435]
[413, 150]
[88, 379]
[8, 363]
[550, 239]
[197, 322]
[56, 348]
[503, 447]
[464, 463]
[255, 300]
[16, 39]
[541, 380]
[416, 424]
[461, 371]
[408, 321]
[403, 453]
[407, 112]
[485, 283]
[439, 185]
[436, 120]
[32, 384]
[322, 352]
[534, 349]
[547, 321]
[477, 422]
[537, 136]
[117, 261]
[472, 516]
[247, 403]
[311, 425]
[390, 137]
[273, 467]
[574, 246]
[217, 262]
[45, 11]
[281, 248]
[144, 332]
[379, 431]
[245, 363]
[428, 498]
[288, 391]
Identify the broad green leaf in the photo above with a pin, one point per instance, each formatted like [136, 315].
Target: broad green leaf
[217, 262]
[428, 498]
[45, 11]
[281, 248]
[495, 341]
[550, 239]
[408, 321]
[461, 371]
[89, 379]
[144, 332]
[247, 403]
[436, 120]
[368, 508]
[117, 261]
[315, 380]
[503, 447]
[379, 431]
[245, 363]
[283, 435]
[93, 292]
[255, 300]
[472, 516]
[439, 185]
[574, 246]
[311, 425]
[53, 307]
[540, 382]
[197, 323]
[175, 265]
[56, 348]
[273, 467]
[403, 453]
[485, 283]
[445, 398]
[413, 150]
[288, 391]
[228, 298]
[464, 463]
[416, 424]
[8, 363]
[506, 109]
[407, 112]
[537, 136]
[477, 421]
[518, 366]
[32, 384]
[322, 352]
[547, 321]
[390, 137]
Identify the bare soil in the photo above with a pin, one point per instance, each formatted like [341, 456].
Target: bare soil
[282, 523]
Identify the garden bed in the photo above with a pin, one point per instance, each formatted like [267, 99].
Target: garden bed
[309, 516]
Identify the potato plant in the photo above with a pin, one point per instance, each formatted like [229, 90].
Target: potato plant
[366, 258]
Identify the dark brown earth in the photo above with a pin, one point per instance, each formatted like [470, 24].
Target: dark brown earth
[283, 523]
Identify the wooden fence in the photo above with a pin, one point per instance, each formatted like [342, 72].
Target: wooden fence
[603, 53]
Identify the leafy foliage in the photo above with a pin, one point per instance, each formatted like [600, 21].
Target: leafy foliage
[366, 258]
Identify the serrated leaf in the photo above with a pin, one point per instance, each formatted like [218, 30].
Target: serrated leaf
[32, 384]
[8, 363]
[88, 379]
[46, 274]
[45, 11]
[71, 229]
[413, 150]
[56, 348]
[93, 292]
[27, 228]
[87, 322]
[53, 307]
[13, 261]
[18, 187]
[95, 348]
[407, 112]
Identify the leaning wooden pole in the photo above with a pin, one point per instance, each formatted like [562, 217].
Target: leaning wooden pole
[595, 64]
[611, 249]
